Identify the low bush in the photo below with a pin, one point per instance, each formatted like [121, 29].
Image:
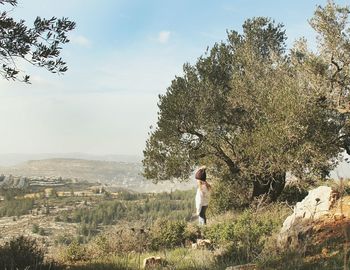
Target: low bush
[74, 252]
[168, 234]
[21, 253]
[35, 228]
[64, 239]
[244, 236]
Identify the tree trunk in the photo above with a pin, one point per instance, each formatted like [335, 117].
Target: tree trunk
[270, 186]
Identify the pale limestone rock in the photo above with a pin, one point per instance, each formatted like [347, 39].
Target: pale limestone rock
[314, 206]
[202, 244]
[153, 262]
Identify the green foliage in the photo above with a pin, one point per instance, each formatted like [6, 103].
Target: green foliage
[40, 45]
[74, 252]
[35, 228]
[168, 234]
[244, 237]
[177, 205]
[238, 239]
[16, 207]
[192, 232]
[21, 253]
[105, 213]
[102, 245]
[136, 237]
[64, 239]
[38, 230]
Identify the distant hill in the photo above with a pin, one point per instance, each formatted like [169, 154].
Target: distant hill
[10, 159]
[111, 173]
[91, 170]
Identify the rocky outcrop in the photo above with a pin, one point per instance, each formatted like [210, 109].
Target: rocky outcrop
[315, 206]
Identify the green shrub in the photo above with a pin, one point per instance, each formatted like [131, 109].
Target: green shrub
[192, 232]
[35, 228]
[64, 239]
[74, 252]
[102, 246]
[221, 233]
[244, 237]
[168, 234]
[21, 253]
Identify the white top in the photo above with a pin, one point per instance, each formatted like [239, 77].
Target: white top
[202, 197]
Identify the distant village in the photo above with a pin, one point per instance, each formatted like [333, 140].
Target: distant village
[32, 181]
[80, 187]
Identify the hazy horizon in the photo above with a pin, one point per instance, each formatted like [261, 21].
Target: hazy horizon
[11, 159]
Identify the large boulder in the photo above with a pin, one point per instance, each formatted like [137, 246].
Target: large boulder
[315, 206]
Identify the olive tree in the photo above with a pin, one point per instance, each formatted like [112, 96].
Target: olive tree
[250, 110]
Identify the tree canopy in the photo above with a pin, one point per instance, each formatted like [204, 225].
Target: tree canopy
[254, 111]
[39, 45]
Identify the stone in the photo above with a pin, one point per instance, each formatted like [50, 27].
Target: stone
[338, 216]
[153, 262]
[202, 244]
[325, 252]
[314, 206]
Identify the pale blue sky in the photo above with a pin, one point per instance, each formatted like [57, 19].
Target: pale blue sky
[121, 56]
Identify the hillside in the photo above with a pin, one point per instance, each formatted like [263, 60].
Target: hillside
[111, 173]
[87, 230]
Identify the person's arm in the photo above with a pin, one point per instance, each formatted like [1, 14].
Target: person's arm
[208, 186]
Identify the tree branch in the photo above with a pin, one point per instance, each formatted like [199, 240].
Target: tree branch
[234, 169]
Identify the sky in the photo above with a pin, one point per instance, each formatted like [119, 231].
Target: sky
[122, 55]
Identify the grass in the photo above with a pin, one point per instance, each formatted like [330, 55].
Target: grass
[177, 259]
[232, 242]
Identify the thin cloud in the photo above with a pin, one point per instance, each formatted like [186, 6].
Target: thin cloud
[163, 37]
[81, 41]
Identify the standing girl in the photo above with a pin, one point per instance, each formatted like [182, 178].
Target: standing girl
[202, 195]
